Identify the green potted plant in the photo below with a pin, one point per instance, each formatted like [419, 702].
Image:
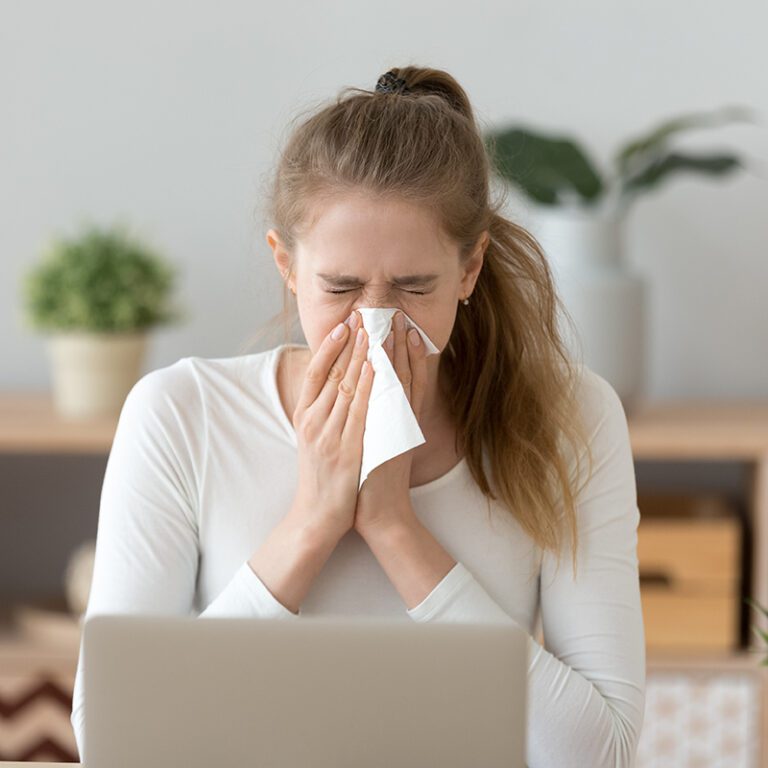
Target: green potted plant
[577, 213]
[556, 172]
[97, 294]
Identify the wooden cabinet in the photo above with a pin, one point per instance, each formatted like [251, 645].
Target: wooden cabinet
[705, 432]
[690, 575]
[715, 431]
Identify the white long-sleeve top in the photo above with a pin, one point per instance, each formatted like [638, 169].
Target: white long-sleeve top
[204, 464]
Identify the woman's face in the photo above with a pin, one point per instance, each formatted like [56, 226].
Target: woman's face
[363, 252]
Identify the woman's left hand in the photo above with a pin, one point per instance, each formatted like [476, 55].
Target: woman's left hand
[384, 499]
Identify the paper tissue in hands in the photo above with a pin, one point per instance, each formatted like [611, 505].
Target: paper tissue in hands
[391, 426]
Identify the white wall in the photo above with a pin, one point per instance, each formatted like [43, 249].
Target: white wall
[168, 115]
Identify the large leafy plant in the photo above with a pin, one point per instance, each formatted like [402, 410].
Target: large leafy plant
[556, 170]
[100, 280]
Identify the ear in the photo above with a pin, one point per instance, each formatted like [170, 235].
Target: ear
[281, 256]
[474, 264]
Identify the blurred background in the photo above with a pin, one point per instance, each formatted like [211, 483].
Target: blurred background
[135, 145]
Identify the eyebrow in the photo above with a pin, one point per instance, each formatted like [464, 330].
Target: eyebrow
[344, 280]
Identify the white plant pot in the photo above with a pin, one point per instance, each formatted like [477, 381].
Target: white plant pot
[93, 372]
[606, 301]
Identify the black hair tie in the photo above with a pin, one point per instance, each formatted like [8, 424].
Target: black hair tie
[390, 83]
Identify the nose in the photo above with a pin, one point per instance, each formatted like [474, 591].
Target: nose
[379, 305]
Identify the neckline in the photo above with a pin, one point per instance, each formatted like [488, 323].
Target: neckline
[416, 490]
[275, 390]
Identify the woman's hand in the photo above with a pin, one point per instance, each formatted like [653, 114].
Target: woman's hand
[329, 421]
[384, 498]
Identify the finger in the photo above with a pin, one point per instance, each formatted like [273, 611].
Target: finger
[316, 374]
[417, 354]
[388, 344]
[326, 369]
[347, 387]
[327, 398]
[354, 427]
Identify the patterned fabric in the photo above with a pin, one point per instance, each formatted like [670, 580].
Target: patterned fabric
[701, 720]
[34, 718]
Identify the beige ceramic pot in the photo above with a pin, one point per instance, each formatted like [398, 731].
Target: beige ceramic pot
[604, 297]
[93, 372]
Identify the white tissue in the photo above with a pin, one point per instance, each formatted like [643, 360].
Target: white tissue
[391, 426]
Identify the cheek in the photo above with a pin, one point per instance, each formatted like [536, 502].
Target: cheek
[319, 318]
[437, 324]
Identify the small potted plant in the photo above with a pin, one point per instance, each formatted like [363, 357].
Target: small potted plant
[97, 294]
[577, 212]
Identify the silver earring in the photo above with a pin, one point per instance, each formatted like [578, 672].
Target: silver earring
[465, 302]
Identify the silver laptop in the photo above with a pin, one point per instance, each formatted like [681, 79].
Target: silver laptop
[322, 692]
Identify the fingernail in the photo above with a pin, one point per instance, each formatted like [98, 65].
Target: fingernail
[354, 320]
[413, 335]
[360, 336]
[337, 331]
[399, 321]
[390, 340]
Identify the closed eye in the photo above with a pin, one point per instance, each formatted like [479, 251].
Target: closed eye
[418, 293]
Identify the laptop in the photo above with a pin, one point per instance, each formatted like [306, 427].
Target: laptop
[323, 692]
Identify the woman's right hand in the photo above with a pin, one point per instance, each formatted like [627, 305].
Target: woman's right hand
[329, 421]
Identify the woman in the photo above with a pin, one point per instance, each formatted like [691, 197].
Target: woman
[232, 484]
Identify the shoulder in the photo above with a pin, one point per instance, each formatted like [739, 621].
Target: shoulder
[600, 410]
[191, 381]
[175, 382]
[597, 398]
[604, 426]
[196, 399]
[164, 407]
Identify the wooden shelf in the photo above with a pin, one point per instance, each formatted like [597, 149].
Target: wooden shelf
[691, 430]
[700, 430]
[29, 424]
[665, 430]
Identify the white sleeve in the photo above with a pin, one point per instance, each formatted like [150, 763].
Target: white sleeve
[147, 550]
[586, 687]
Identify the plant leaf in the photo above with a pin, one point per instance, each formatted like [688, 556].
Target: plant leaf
[547, 169]
[102, 279]
[656, 139]
[756, 605]
[659, 168]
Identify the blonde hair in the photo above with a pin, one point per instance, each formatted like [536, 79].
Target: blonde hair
[506, 372]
